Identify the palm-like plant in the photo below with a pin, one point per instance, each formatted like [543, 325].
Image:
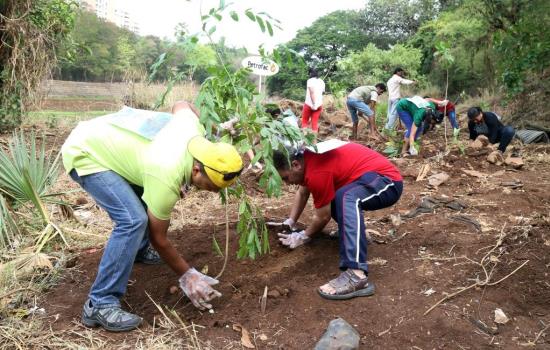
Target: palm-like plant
[26, 174]
[9, 232]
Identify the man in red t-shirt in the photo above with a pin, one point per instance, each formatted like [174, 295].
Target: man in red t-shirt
[343, 182]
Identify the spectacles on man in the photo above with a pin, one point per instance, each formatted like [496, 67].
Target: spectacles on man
[227, 176]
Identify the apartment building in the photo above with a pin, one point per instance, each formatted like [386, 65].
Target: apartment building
[114, 11]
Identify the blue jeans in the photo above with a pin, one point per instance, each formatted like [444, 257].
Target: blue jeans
[358, 105]
[369, 192]
[407, 119]
[392, 114]
[130, 233]
[505, 136]
[452, 119]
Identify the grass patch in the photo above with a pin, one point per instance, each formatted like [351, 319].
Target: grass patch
[46, 114]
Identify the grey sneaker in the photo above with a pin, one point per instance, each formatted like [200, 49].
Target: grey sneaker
[149, 256]
[111, 318]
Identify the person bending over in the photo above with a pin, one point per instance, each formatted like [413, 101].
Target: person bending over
[343, 182]
[363, 99]
[137, 165]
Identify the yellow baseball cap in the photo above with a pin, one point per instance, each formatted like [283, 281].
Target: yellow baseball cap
[222, 163]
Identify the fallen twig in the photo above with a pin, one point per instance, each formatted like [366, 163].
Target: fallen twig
[488, 275]
[15, 291]
[534, 342]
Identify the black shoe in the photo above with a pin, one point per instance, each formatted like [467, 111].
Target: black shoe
[149, 256]
[111, 318]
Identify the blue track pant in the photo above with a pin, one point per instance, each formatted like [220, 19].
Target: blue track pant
[369, 192]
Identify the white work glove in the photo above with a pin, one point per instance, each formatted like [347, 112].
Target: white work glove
[230, 125]
[294, 239]
[289, 223]
[197, 287]
[443, 103]
[413, 151]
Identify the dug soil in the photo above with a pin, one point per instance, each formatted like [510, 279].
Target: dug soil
[413, 265]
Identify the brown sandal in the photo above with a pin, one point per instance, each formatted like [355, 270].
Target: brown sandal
[348, 285]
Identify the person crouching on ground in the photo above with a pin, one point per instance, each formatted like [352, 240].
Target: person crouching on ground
[446, 108]
[137, 171]
[344, 182]
[363, 99]
[413, 112]
[489, 124]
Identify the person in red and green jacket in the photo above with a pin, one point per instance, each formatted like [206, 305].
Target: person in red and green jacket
[413, 112]
[445, 108]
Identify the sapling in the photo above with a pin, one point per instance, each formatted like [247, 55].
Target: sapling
[228, 93]
[443, 52]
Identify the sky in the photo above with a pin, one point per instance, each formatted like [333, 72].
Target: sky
[159, 17]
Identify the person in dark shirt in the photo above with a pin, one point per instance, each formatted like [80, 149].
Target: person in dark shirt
[488, 124]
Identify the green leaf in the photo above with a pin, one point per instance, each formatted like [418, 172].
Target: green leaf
[269, 28]
[242, 208]
[261, 23]
[234, 16]
[250, 15]
[212, 30]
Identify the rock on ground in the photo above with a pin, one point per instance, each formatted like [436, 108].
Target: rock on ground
[496, 158]
[514, 162]
[339, 335]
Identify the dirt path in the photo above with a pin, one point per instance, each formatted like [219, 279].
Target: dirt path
[424, 253]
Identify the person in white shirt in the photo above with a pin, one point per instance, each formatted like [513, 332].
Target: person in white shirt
[394, 94]
[314, 101]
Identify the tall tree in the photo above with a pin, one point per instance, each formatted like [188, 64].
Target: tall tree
[322, 45]
[387, 22]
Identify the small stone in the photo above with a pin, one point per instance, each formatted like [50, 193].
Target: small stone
[514, 162]
[496, 158]
[339, 335]
[274, 294]
[500, 316]
[438, 179]
[81, 201]
[484, 140]
[476, 144]
[173, 290]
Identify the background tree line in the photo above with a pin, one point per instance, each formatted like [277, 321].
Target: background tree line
[99, 51]
[494, 43]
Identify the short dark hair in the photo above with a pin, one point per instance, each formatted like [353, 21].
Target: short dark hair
[313, 73]
[474, 112]
[398, 69]
[282, 162]
[381, 86]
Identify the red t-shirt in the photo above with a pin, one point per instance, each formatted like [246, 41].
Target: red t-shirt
[325, 173]
[450, 107]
